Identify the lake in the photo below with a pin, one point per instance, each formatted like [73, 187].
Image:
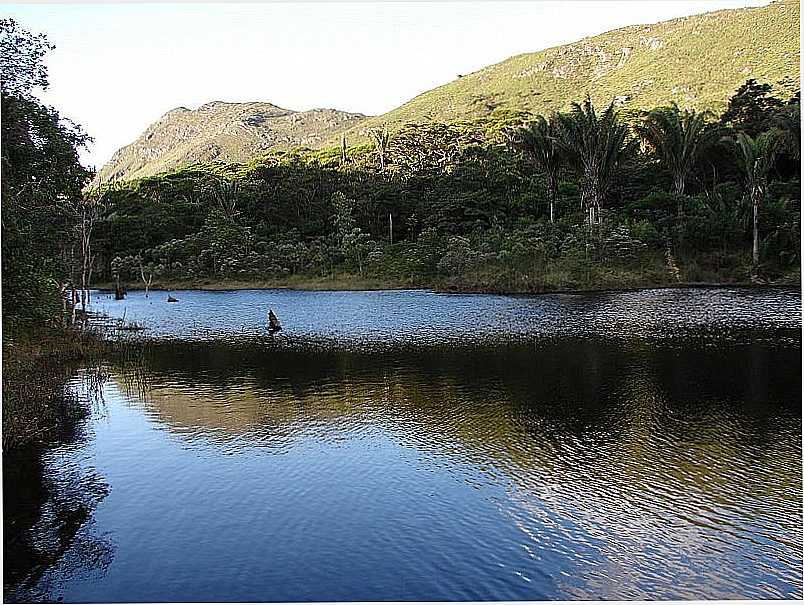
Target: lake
[409, 445]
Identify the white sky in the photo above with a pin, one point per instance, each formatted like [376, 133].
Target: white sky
[119, 67]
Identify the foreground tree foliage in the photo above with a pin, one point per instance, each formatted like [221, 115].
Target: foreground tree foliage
[46, 247]
[42, 181]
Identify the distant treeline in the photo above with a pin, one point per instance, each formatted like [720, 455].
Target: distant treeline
[508, 202]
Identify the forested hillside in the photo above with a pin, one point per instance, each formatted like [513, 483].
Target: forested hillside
[510, 202]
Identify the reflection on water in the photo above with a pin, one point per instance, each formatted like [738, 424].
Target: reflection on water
[546, 467]
[48, 500]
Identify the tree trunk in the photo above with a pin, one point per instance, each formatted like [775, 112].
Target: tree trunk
[678, 190]
[87, 223]
[146, 282]
[594, 207]
[552, 194]
[587, 202]
[118, 291]
[678, 184]
[756, 228]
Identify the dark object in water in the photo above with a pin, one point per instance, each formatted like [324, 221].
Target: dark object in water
[132, 327]
[171, 299]
[119, 292]
[273, 322]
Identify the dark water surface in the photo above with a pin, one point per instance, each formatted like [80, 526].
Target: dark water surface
[417, 446]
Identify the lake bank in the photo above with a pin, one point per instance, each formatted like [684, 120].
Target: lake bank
[343, 283]
[36, 366]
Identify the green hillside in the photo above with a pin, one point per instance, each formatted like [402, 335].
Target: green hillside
[696, 61]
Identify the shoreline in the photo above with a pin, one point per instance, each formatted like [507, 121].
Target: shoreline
[358, 285]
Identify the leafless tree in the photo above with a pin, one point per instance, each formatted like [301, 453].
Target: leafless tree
[147, 281]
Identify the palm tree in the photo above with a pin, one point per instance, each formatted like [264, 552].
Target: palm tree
[678, 138]
[755, 157]
[380, 137]
[596, 147]
[538, 141]
[225, 193]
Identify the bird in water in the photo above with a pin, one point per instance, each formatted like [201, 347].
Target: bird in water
[273, 322]
[171, 299]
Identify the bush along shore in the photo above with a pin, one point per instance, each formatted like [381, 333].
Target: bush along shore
[614, 263]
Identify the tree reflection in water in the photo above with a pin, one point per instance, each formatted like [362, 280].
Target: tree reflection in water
[48, 509]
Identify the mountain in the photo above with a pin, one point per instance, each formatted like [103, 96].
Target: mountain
[697, 61]
[230, 132]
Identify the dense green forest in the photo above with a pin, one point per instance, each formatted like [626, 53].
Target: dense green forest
[42, 183]
[511, 202]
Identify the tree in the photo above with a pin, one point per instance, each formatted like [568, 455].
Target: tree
[380, 138]
[752, 108]
[539, 143]
[146, 281]
[432, 149]
[21, 54]
[42, 179]
[678, 138]
[596, 146]
[87, 213]
[756, 156]
[788, 119]
[354, 243]
[225, 193]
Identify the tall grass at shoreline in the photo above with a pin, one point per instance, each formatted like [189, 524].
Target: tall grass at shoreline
[39, 406]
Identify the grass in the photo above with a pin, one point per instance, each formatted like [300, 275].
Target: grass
[565, 274]
[36, 366]
[38, 405]
[696, 61]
